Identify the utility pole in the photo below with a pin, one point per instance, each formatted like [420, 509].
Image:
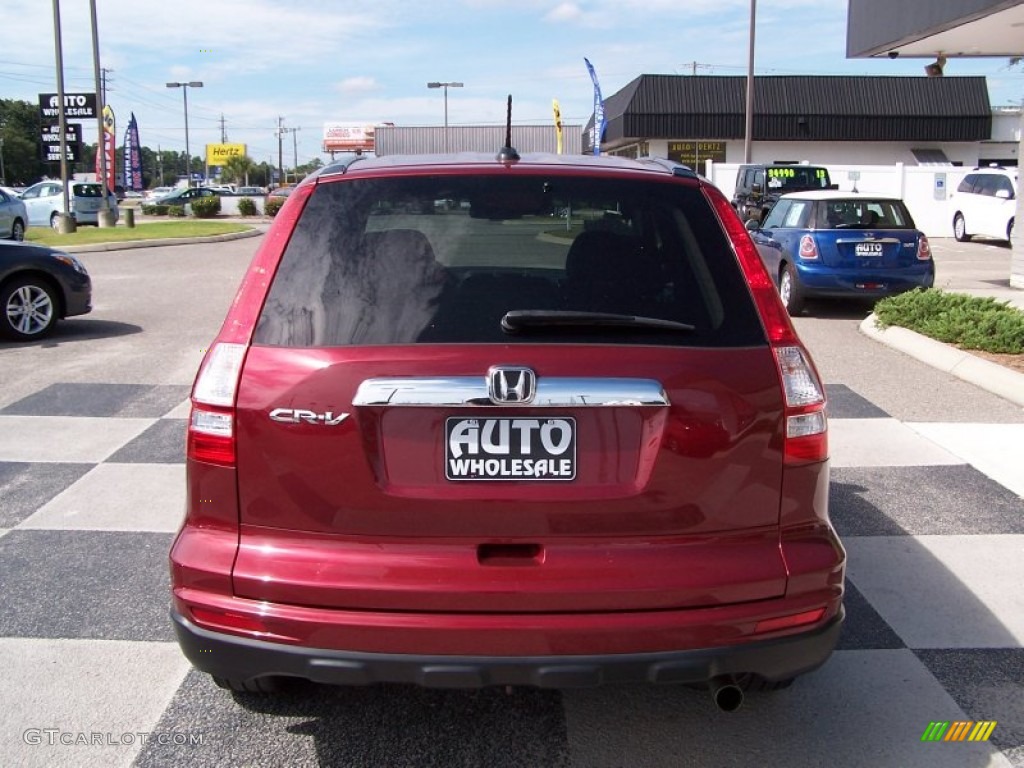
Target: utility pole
[103, 88]
[223, 131]
[65, 224]
[295, 147]
[160, 163]
[280, 149]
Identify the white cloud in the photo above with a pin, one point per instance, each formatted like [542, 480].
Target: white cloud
[361, 84]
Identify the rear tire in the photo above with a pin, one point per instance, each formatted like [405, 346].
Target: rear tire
[18, 230]
[259, 685]
[791, 291]
[960, 228]
[756, 683]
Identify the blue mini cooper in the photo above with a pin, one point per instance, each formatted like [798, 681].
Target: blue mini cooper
[841, 244]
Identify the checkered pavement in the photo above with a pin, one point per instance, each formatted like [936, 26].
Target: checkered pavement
[92, 489]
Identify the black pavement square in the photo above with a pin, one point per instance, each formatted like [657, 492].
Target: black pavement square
[864, 628]
[122, 400]
[380, 725]
[25, 487]
[919, 501]
[844, 403]
[85, 584]
[987, 684]
[161, 443]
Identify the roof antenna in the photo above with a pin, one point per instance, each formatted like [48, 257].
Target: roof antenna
[508, 152]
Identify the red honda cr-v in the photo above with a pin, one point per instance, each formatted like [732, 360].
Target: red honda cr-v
[507, 421]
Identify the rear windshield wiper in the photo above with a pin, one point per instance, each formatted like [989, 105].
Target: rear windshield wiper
[520, 319]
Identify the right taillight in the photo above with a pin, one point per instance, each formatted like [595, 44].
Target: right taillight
[806, 428]
[211, 430]
[924, 249]
[806, 438]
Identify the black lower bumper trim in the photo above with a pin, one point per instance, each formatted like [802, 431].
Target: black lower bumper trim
[243, 659]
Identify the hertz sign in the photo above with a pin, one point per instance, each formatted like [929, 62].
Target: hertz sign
[219, 154]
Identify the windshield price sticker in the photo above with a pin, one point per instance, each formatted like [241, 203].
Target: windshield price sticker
[510, 448]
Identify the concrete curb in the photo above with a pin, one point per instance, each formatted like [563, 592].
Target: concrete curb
[989, 376]
[129, 244]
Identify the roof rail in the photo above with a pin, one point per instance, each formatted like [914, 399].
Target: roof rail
[676, 169]
[341, 166]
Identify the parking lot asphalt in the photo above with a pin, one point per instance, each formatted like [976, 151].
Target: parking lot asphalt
[925, 493]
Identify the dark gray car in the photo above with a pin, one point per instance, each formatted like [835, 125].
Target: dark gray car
[38, 286]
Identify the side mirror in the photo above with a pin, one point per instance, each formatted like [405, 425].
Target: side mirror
[1004, 194]
[757, 188]
[752, 225]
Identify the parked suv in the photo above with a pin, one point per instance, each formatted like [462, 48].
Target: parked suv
[557, 433]
[759, 186]
[45, 202]
[985, 203]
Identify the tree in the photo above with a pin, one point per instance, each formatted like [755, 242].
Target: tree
[20, 129]
[236, 169]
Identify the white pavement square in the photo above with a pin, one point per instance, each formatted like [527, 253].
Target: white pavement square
[997, 450]
[118, 497]
[944, 591]
[851, 705]
[114, 688]
[883, 443]
[62, 438]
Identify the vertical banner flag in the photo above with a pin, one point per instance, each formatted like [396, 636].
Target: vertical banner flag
[598, 109]
[132, 157]
[558, 123]
[109, 147]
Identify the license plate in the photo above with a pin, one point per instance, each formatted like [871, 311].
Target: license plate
[868, 249]
[510, 448]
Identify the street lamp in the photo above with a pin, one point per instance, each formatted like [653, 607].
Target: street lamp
[188, 154]
[446, 86]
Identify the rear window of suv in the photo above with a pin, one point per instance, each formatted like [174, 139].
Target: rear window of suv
[442, 258]
[86, 190]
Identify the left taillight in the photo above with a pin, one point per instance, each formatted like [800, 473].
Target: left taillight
[211, 430]
[808, 248]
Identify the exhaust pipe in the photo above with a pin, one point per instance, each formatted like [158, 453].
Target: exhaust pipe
[727, 695]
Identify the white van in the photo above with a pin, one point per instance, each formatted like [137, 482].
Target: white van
[45, 201]
[985, 203]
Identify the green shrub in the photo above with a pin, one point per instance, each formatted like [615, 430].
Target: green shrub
[176, 210]
[154, 209]
[247, 207]
[970, 322]
[205, 207]
[272, 206]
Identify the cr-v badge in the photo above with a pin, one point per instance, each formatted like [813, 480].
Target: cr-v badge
[294, 416]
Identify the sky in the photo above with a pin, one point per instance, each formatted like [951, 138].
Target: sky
[316, 61]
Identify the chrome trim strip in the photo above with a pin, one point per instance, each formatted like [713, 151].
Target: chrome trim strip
[552, 392]
[869, 239]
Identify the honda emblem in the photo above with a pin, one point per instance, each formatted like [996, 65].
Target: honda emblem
[511, 384]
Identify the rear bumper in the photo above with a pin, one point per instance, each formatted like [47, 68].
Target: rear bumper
[242, 658]
[852, 283]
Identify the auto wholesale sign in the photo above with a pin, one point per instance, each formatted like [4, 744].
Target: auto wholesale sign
[219, 154]
[50, 142]
[77, 106]
[348, 137]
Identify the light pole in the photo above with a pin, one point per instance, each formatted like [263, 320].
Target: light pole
[188, 154]
[748, 133]
[446, 86]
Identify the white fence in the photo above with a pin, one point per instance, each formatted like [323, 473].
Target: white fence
[925, 189]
